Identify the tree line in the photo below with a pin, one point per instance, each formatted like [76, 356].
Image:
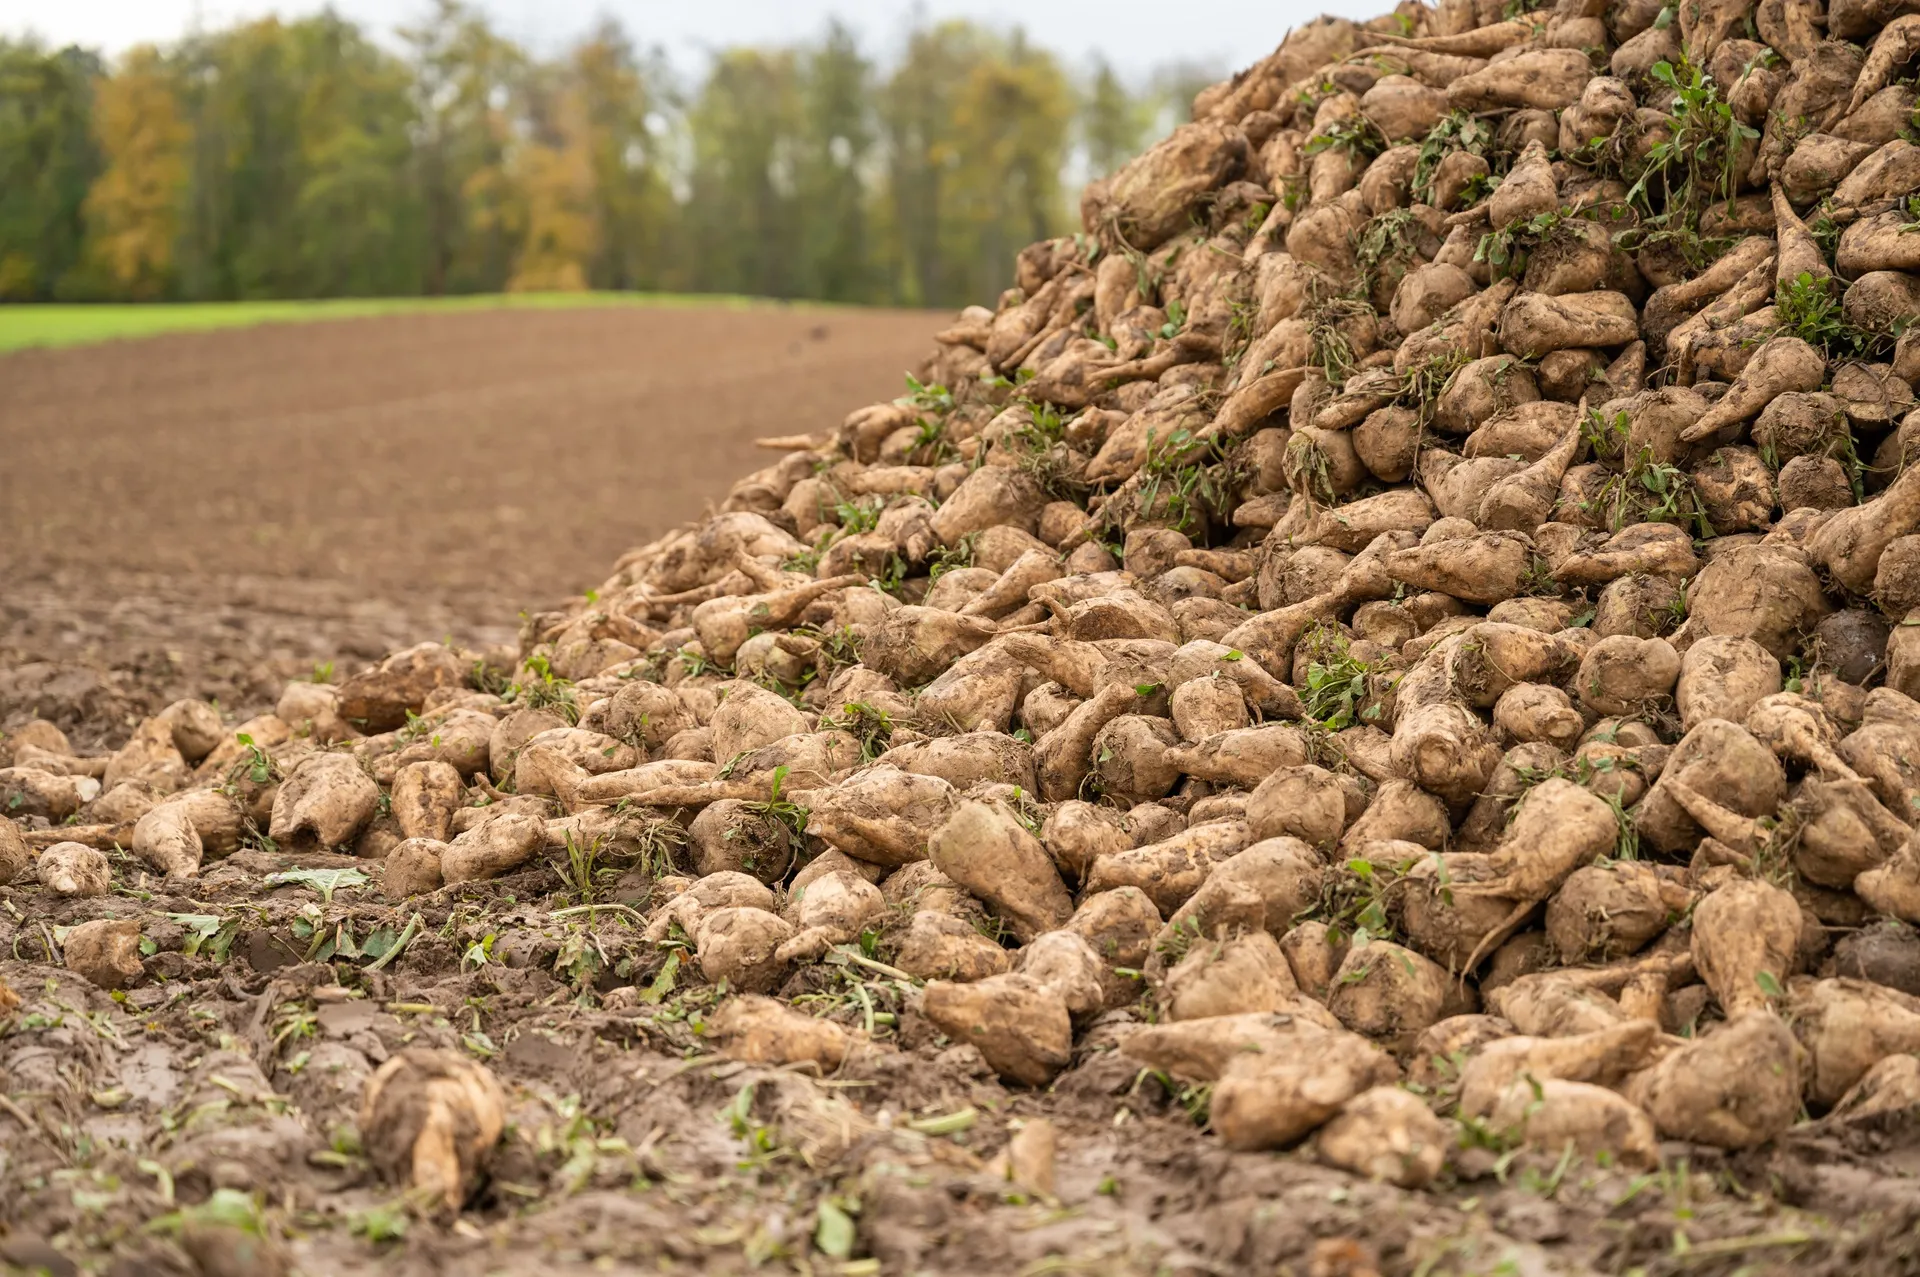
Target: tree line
[304, 159]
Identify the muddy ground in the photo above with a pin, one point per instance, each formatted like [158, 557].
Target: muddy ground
[193, 521]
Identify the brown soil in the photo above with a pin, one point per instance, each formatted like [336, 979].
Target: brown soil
[187, 538]
[205, 514]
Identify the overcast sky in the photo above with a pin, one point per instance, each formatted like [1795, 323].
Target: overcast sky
[1134, 34]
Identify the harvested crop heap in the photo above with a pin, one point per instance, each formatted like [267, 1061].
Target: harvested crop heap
[1400, 640]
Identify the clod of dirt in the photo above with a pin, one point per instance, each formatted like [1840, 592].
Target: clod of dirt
[1028, 1159]
[429, 1120]
[224, 1238]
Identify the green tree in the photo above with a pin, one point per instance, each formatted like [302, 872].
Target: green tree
[299, 167]
[465, 82]
[738, 232]
[977, 128]
[1011, 125]
[625, 101]
[917, 112]
[834, 157]
[48, 160]
[357, 213]
[243, 106]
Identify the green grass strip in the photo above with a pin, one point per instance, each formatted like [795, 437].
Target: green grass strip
[55, 325]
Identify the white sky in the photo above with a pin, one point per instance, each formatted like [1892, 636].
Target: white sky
[1135, 35]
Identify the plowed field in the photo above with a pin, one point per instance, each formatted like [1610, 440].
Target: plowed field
[203, 514]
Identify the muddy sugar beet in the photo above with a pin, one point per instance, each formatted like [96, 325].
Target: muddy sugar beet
[1393, 644]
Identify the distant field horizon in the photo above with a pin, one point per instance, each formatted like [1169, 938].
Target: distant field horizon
[56, 325]
[341, 489]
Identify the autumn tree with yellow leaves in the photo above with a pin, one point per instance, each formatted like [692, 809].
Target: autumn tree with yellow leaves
[133, 211]
[554, 171]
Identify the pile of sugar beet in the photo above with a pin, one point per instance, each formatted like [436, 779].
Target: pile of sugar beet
[1401, 639]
